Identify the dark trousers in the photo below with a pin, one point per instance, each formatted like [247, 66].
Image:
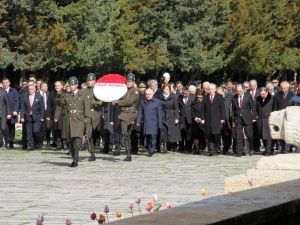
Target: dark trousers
[214, 142]
[75, 148]
[89, 135]
[226, 137]
[46, 131]
[256, 138]
[284, 146]
[150, 142]
[239, 127]
[57, 138]
[4, 131]
[33, 129]
[1, 138]
[107, 138]
[11, 132]
[126, 136]
[186, 137]
[267, 145]
[135, 136]
[24, 135]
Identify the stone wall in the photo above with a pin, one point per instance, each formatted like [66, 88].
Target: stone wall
[277, 204]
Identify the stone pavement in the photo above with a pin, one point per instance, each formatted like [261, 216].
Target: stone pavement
[40, 182]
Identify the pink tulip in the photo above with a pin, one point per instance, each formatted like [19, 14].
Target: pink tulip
[106, 209]
[131, 205]
[68, 222]
[93, 216]
[169, 205]
[155, 198]
[149, 207]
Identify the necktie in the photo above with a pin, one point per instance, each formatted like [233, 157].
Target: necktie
[241, 101]
[252, 94]
[30, 102]
[45, 100]
[211, 98]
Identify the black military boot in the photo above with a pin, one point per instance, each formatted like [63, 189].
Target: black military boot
[74, 164]
[128, 150]
[92, 158]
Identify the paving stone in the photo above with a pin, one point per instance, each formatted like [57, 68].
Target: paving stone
[39, 182]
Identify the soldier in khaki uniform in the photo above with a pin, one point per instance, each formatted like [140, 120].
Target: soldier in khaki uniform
[92, 124]
[128, 105]
[78, 111]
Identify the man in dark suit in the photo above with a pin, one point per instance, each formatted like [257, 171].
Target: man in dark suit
[214, 117]
[57, 124]
[153, 84]
[33, 114]
[186, 100]
[243, 116]
[281, 101]
[5, 114]
[47, 124]
[226, 126]
[254, 92]
[13, 98]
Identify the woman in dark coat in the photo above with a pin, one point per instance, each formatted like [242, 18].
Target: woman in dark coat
[198, 128]
[170, 134]
[264, 108]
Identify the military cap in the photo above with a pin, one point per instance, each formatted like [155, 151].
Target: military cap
[91, 76]
[142, 84]
[73, 80]
[130, 77]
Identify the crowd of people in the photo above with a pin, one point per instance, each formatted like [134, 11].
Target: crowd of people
[201, 118]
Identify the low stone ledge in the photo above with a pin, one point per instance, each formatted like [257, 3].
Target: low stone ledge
[276, 204]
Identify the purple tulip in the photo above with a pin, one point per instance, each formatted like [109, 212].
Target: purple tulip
[138, 201]
[93, 216]
[131, 205]
[40, 220]
[68, 222]
[106, 209]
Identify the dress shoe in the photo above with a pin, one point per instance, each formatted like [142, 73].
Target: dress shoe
[116, 153]
[150, 154]
[211, 154]
[243, 153]
[238, 155]
[128, 159]
[265, 153]
[73, 164]
[250, 152]
[30, 149]
[92, 158]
